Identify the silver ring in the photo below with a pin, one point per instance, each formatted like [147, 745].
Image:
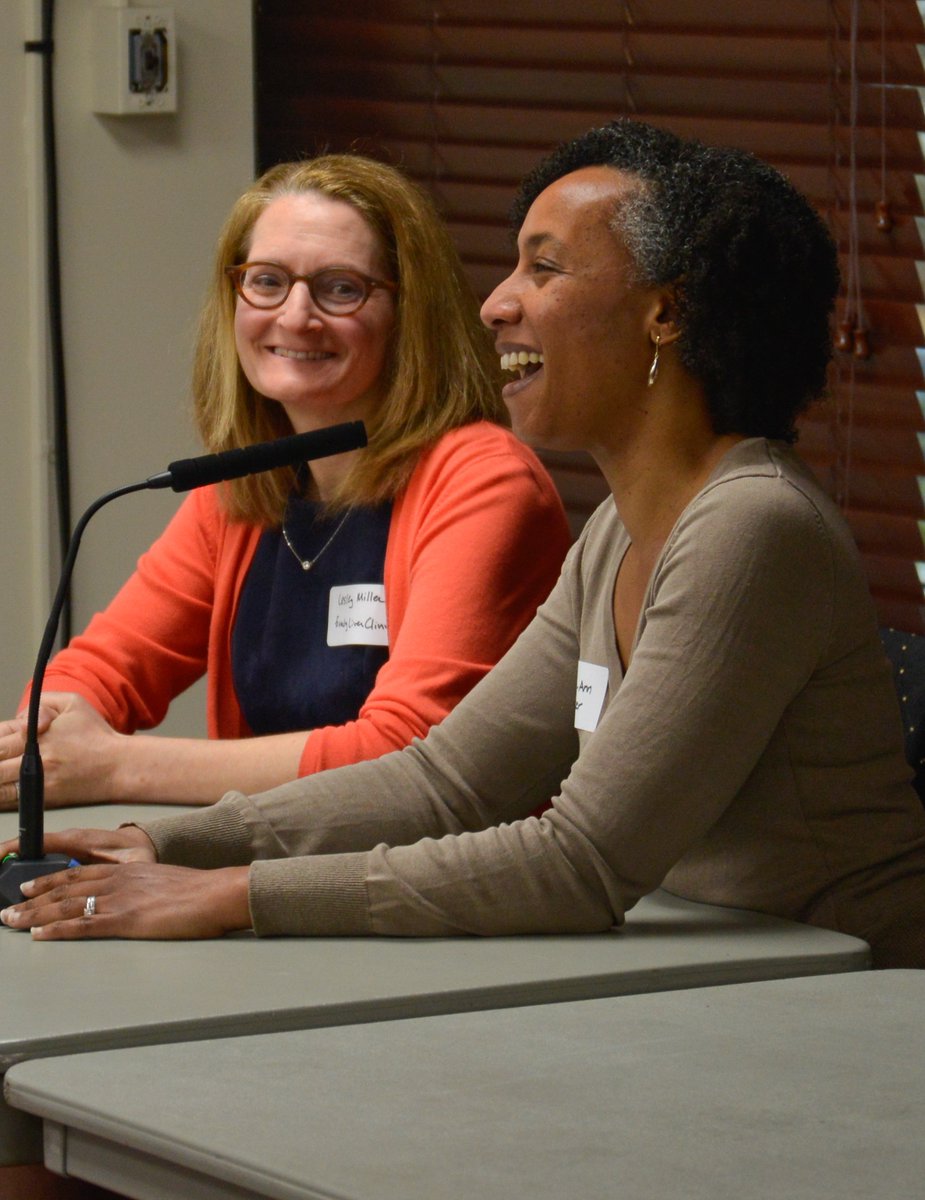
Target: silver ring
[90, 906]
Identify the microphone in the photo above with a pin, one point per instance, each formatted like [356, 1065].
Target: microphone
[188, 473]
[182, 475]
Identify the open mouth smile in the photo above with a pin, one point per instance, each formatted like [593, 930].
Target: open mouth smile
[523, 362]
[301, 355]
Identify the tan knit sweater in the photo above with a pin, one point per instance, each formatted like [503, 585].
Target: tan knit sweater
[751, 755]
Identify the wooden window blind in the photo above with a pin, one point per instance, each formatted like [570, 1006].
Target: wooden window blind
[466, 95]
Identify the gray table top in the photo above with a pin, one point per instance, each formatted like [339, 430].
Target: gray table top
[100, 995]
[64, 997]
[810, 1087]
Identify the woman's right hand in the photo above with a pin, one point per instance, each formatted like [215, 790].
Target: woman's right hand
[79, 753]
[128, 844]
[86, 761]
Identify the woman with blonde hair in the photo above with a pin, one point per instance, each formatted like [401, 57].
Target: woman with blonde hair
[341, 609]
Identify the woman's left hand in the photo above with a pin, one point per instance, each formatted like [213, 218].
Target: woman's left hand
[133, 900]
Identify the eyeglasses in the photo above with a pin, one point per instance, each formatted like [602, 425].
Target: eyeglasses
[336, 290]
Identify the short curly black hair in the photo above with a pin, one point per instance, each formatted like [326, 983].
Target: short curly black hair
[754, 268]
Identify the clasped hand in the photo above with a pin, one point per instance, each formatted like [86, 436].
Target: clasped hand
[78, 750]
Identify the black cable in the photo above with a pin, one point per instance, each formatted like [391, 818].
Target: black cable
[45, 47]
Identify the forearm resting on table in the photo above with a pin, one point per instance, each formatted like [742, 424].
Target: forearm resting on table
[168, 770]
[86, 761]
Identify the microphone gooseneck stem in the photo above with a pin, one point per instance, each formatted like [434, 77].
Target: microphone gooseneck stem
[182, 475]
[32, 861]
[31, 777]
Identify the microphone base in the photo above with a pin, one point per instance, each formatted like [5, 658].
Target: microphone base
[17, 871]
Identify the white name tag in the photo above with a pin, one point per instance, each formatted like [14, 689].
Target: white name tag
[590, 695]
[356, 615]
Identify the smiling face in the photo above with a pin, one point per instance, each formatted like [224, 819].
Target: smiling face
[322, 369]
[578, 326]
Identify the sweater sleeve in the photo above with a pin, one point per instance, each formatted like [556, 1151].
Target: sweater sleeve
[498, 755]
[477, 543]
[151, 642]
[435, 841]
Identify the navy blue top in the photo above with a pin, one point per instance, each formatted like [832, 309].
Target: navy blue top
[286, 676]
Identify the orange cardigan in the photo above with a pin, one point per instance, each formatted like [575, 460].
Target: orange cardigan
[475, 544]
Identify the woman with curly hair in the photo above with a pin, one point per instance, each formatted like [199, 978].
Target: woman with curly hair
[703, 698]
[338, 610]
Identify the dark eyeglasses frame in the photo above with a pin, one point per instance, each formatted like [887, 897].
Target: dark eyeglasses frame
[236, 275]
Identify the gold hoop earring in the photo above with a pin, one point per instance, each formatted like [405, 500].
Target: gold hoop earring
[653, 370]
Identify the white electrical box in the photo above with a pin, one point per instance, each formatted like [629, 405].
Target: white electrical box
[134, 61]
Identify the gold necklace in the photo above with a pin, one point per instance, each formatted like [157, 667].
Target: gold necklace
[307, 563]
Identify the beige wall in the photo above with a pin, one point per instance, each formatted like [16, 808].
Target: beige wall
[20, 457]
[141, 200]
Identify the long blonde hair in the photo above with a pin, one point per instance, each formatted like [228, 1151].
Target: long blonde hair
[441, 371]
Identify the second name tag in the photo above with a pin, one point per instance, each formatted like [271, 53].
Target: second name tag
[590, 695]
[356, 615]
